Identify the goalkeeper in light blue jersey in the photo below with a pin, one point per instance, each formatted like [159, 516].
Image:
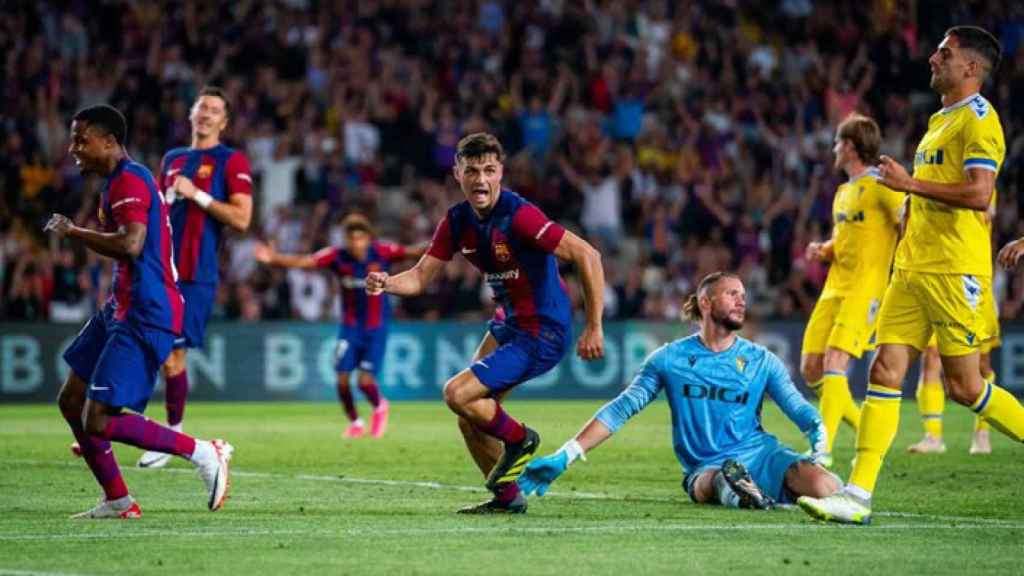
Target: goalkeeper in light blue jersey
[715, 383]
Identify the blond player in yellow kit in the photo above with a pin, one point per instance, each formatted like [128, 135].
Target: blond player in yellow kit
[942, 271]
[865, 216]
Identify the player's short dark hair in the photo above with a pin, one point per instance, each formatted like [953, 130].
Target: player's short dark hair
[219, 93]
[356, 222]
[691, 308]
[105, 117]
[864, 134]
[981, 42]
[479, 145]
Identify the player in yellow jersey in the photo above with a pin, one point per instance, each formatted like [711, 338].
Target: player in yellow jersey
[931, 395]
[865, 216]
[943, 267]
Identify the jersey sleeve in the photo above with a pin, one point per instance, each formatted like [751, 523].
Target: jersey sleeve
[642, 391]
[531, 225]
[390, 251]
[324, 257]
[984, 146]
[891, 203]
[238, 174]
[442, 246]
[129, 200]
[781, 389]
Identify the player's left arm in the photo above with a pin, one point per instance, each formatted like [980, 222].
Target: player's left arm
[781, 389]
[532, 226]
[588, 261]
[237, 211]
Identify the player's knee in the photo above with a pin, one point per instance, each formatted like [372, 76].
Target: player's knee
[69, 402]
[964, 390]
[810, 368]
[454, 394]
[884, 375]
[365, 380]
[94, 422]
[175, 363]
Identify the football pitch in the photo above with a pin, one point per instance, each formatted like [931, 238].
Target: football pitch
[303, 501]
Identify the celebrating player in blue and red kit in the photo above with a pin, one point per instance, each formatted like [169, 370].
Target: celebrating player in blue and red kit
[364, 326]
[115, 358]
[208, 186]
[516, 247]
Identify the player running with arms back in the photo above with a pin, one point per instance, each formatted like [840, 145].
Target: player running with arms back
[943, 267]
[115, 358]
[715, 383]
[516, 247]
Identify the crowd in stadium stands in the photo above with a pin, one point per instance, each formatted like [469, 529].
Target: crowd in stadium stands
[678, 137]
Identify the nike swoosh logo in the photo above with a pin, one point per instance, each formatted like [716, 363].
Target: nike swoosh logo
[99, 387]
[468, 250]
[173, 171]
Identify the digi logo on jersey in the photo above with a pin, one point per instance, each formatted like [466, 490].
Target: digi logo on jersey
[928, 158]
[716, 393]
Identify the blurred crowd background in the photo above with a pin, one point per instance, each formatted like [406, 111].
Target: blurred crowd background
[679, 137]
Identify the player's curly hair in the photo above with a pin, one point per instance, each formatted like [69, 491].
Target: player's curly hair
[691, 308]
[106, 118]
[479, 145]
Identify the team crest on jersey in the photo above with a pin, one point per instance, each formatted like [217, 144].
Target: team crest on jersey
[501, 252]
[741, 363]
[205, 171]
[373, 267]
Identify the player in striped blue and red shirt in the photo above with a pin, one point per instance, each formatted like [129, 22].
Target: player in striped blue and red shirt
[115, 358]
[517, 248]
[363, 334]
[208, 186]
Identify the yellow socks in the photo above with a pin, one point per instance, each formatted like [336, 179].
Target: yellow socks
[879, 420]
[1001, 409]
[931, 401]
[836, 403]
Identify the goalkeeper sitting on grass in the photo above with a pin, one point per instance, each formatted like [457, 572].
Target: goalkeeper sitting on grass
[715, 382]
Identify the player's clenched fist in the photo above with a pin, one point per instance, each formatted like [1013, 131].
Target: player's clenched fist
[1010, 255]
[376, 283]
[59, 224]
[591, 344]
[892, 174]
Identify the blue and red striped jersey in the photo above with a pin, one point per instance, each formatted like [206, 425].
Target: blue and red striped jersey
[359, 308]
[220, 172]
[145, 288]
[513, 246]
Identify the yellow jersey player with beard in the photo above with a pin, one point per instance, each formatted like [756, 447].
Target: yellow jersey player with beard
[943, 267]
[865, 217]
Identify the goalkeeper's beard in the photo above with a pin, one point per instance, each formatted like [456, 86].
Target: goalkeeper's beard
[723, 320]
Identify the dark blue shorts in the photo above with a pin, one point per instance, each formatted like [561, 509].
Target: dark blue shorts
[198, 304]
[118, 360]
[362, 349]
[520, 356]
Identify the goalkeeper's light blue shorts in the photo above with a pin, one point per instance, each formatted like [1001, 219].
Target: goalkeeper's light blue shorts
[767, 466]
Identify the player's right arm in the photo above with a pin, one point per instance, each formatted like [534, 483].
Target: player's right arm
[409, 283]
[541, 472]
[129, 205]
[266, 254]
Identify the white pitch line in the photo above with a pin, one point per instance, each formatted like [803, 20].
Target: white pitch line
[992, 522]
[9, 572]
[504, 529]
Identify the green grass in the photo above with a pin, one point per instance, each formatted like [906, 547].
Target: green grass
[302, 503]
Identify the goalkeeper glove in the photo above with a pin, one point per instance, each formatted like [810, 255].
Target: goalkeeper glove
[817, 436]
[541, 472]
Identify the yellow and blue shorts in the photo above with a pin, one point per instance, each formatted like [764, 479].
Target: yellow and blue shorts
[845, 323]
[952, 306]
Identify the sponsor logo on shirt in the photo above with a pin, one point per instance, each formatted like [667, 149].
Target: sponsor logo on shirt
[928, 158]
[500, 276]
[716, 393]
